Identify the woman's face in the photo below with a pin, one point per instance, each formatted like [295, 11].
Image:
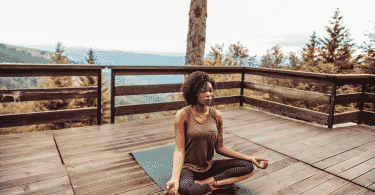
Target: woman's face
[205, 95]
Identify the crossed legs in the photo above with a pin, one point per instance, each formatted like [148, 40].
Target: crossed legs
[222, 172]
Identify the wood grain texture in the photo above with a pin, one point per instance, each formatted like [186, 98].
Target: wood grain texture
[31, 164]
[303, 158]
[12, 120]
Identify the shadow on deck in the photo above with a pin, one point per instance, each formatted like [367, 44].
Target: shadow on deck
[303, 158]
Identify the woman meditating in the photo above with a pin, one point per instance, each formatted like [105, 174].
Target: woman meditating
[198, 133]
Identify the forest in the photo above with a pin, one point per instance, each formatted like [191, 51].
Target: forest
[333, 54]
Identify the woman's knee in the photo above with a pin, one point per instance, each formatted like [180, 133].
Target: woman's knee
[249, 166]
[184, 187]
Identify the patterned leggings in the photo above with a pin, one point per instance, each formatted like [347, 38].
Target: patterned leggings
[220, 170]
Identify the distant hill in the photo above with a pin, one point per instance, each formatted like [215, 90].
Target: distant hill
[78, 55]
[15, 54]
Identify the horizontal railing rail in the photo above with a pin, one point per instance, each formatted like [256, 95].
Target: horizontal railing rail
[330, 99]
[32, 70]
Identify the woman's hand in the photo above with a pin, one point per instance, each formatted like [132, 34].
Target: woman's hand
[256, 161]
[172, 187]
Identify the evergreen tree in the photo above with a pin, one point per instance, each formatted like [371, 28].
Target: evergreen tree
[368, 54]
[273, 60]
[240, 54]
[59, 58]
[91, 59]
[337, 48]
[55, 82]
[368, 67]
[90, 81]
[309, 53]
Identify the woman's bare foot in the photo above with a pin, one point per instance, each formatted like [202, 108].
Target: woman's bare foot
[209, 181]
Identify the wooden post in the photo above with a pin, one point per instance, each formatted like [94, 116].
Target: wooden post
[361, 102]
[113, 71]
[242, 88]
[332, 105]
[99, 107]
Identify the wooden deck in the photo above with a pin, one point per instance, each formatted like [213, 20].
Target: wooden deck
[303, 158]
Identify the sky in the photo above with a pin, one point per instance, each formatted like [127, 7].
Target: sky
[161, 26]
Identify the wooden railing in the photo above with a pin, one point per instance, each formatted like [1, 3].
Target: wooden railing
[331, 99]
[27, 70]
[332, 80]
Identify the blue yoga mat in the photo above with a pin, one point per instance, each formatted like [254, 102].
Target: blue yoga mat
[157, 163]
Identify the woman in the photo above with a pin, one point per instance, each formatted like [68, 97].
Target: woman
[198, 133]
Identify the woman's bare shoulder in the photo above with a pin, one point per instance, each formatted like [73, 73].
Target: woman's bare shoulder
[218, 113]
[181, 115]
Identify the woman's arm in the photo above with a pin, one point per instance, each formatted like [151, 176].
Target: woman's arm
[179, 153]
[222, 150]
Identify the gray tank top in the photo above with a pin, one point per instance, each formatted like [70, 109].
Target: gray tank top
[201, 139]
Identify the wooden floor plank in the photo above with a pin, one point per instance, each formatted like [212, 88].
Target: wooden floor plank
[98, 160]
[366, 192]
[307, 147]
[286, 180]
[43, 187]
[306, 184]
[268, 180]
[366, 179]
[347, 164]
[18, 180]
[334, 149]
[64, 192]
[27, 151]
[358, 170]
[26, 140]
[345, 155]
[349, 188]
[275, 166]
[327, 187]
[115, 186]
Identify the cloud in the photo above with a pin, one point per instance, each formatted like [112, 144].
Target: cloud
[289, 40]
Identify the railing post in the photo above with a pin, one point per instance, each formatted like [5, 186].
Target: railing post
[332, 105]
[361, 102]
[113, 71]
[242, 88]
[99, 107]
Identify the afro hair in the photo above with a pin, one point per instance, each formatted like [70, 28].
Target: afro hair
[193, 83]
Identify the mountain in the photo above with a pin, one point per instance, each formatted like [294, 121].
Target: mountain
[78, 55]
[15, 54]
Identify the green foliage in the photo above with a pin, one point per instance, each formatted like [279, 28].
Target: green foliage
[216, 57]
[90, 81]
[369, 54]
[337, 48]
[56, 82]
[91, 59]
[309, 53]
[237, 55]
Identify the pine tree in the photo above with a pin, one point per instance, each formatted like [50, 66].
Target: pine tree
[309, 53]
[55, 82]
[273, 60]
[338, 49]
[90, 81]
[369, 54]
[91, 59]
[368, 67]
